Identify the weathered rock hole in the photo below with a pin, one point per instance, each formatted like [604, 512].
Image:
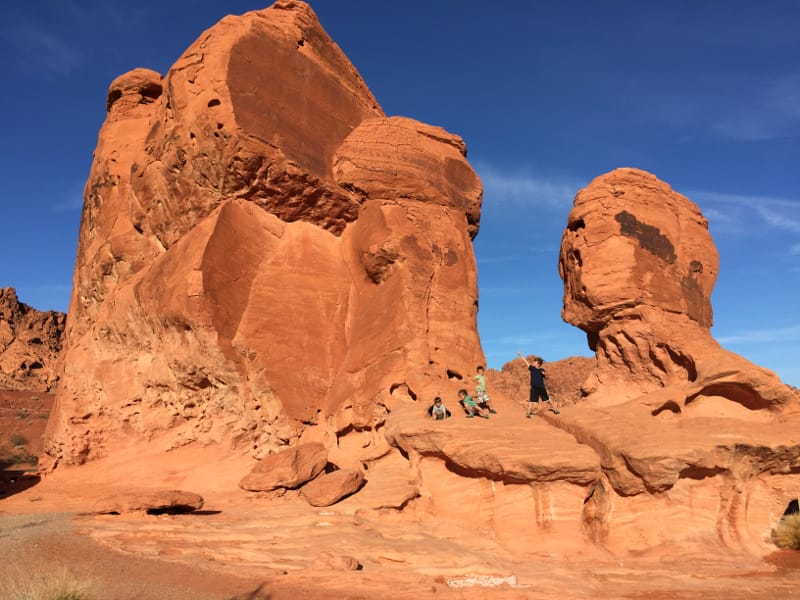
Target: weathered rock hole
[792, 508]
[214, 102]
[192, 135]
[220, 125]
[36, 340]
[113, 96]
[138, 228]
[151, 91]
[668, 406]
[300, 42]
[576, 225]
[454, 375]
[575, 257]
[735, 392]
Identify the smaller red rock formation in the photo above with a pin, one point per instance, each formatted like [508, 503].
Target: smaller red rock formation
[639, 265]
[329, 488]
[563, 379]
[156, 502]
[288, 468]
[30, 342]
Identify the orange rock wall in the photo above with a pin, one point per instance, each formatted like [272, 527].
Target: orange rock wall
[262, 250]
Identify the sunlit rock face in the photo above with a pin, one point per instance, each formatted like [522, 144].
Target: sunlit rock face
[639, 266]
[30, 342]
[264, 255]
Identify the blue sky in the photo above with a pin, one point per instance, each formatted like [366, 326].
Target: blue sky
[547, 95]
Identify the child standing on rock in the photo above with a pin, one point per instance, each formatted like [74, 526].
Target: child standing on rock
[481, 397]
[538, 390]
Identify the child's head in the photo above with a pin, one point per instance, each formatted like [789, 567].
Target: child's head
[462, 393]
[437, 401]
[538, 361]
[479, 370]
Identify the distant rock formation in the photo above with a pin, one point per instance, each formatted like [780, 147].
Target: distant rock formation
[639, 265]
[30, 341]
[563, 379]
[263, 252]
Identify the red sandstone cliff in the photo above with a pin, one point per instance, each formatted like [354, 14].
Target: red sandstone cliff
[262, 251]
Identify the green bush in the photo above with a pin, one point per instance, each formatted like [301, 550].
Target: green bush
[787, 534]
[17, 439]
[24, 457]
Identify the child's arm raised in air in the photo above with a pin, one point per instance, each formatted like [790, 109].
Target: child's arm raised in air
[525, 360]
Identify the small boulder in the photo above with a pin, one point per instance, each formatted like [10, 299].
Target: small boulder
[157, 502]
[288, 468]
[330, 488]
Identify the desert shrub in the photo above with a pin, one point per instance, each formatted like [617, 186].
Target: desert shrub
[24, 457]
[17, 439]
[787, 534]
[58, 584]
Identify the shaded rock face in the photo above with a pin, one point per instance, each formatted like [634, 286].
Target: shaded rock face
[639, 265]
[262, 251]
[30, 342]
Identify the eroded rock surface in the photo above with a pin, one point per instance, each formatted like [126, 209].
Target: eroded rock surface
[263, 251]
[331, 487]
[30, 342]
[288, 468]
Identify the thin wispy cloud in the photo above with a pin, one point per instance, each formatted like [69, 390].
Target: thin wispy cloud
[762, 336]
[71, 202]
[773, 111]
[736, 211]
[38, 48]
[524, 188]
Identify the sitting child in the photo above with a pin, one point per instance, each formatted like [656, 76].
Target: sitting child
[438, 411]
[470, 406]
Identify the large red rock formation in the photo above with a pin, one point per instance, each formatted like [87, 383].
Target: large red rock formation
[262, 251]
[30, 341]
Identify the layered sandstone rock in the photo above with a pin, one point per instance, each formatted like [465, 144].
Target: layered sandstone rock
[263, 254]
[30, 342]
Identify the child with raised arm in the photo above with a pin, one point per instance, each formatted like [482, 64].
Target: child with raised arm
[538, 390]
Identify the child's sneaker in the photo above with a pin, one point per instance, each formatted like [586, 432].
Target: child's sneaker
[470, 416]
[485, 416]
[556, 411]
[493, 411]
[528, 416]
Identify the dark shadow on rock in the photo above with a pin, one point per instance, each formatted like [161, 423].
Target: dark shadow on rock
[14, 481]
